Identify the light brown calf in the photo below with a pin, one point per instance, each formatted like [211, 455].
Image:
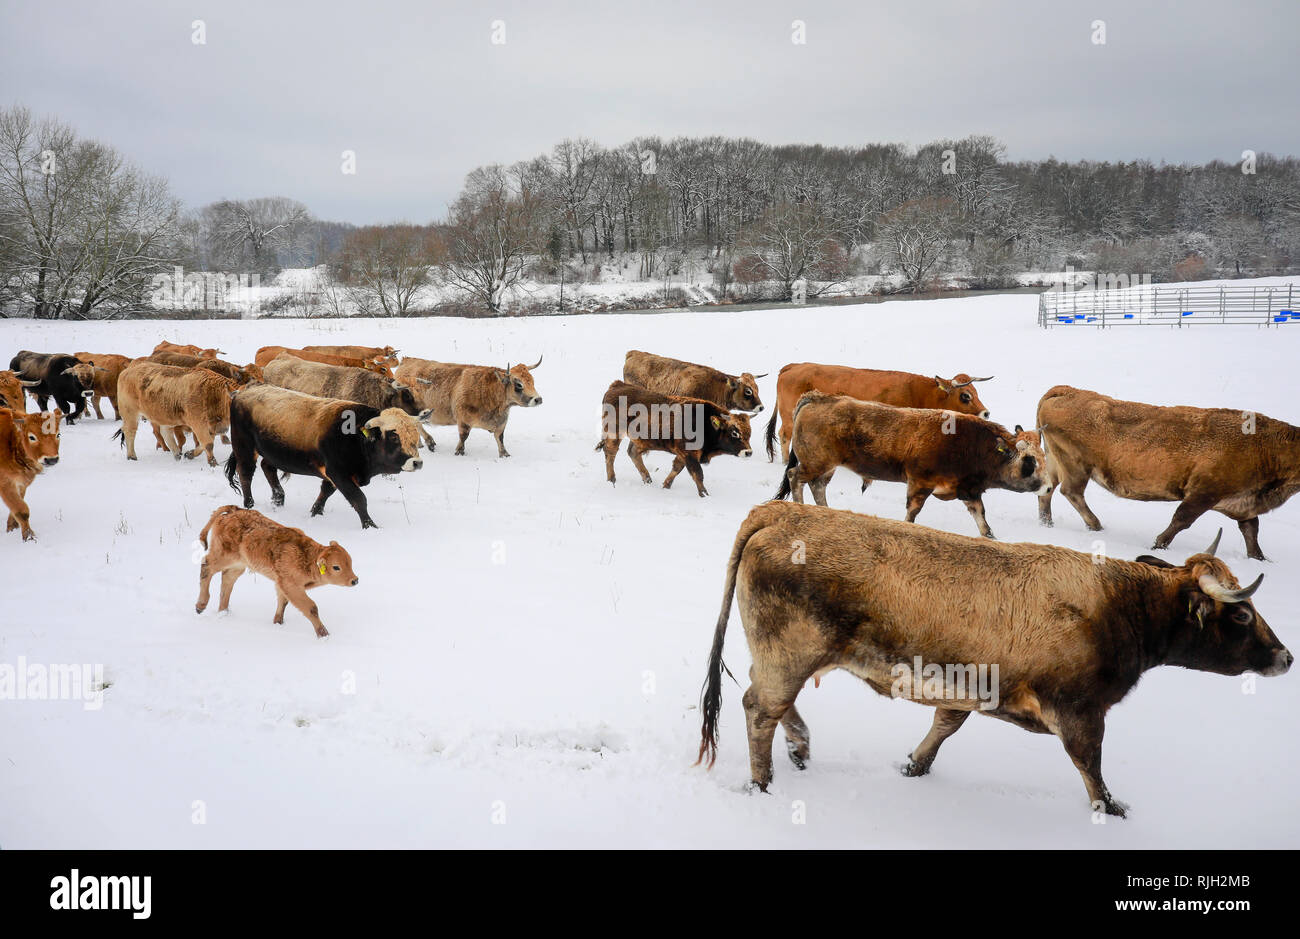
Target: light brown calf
[242, 539]
[28, 444]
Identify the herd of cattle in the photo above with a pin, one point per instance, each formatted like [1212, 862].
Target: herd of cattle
[1070, 632]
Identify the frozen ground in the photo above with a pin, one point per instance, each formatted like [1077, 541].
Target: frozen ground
[527, 643]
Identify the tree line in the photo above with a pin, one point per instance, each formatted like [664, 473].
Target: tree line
[83, 230]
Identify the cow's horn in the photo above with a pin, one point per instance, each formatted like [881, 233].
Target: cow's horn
[764, 375]
[971, 382]
[1212, 588]
[1214, 545]
[28, 384]
[539, 362]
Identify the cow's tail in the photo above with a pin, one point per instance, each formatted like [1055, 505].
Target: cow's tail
[232, 465]
[711, 693]
[120, 437]
[203, 535]
[770, 436]
[784, 491]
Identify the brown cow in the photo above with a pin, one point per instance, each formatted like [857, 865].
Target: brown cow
[901, 389]
[691, 429]
[108, 368]
[1043, 637]
[171, 397]
[470, 396]
[940, 453]
[688, 380]
[386, 353]
[1240, 463]
[166, 346]
[267, 354]
[241, 375]
[13, 393]
[243, 539]
[28, 444]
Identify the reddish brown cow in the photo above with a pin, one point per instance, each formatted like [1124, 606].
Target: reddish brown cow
[385, 353]
[166, 346]
[267, 354]
[12, 393]
[108, 368]
[28, 444]
[940, 453]
[901, 389]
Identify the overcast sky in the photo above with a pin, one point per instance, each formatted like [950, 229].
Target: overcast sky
[422, 95]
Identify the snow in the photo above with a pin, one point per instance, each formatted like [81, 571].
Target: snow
[527, 643]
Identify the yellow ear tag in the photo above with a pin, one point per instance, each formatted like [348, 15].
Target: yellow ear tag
[322, 568]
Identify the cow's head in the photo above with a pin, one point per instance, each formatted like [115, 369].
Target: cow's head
[378, 365]
[733, 434]
[209, 353]
[1021, 465]
[252, 372]
[520, 390]
[958, 394]
[742, 393]
[334, 566]
[392, 442]
[390, 355]
[85, 377]
[401, 396]
[1216, 627]
[11, 392]
[40, 434]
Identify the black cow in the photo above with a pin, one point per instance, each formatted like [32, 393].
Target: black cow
[66, 379]
[342, 443]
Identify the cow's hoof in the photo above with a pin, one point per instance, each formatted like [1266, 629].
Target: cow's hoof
[279, 501]
[754, 786]
[912, 768]
[278, 620]
[248, 503]
[367, 523]
[131, 458]
[322, 633]
[503, 455]
[1046, 522]
[1111, 806]
[198, 609]
[798, 754]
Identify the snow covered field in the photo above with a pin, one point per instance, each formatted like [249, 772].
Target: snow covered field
[521, 662]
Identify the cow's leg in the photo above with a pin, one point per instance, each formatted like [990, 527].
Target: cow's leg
[273, 477]
[1082, 734]
[697, 473]
[281, 603]
[797, 739]
[203, 441]
[303, 603]
[1045, 505]
[228, 578]
[18, 511]
[947, 721]
[356, 498]
[427, 438]
[460, 445]
[1250, 531]
[501, 442]
[130, 425]
[175, 441]
[766, 702]
[787, 431]
[610, 445]
[674, 471]
[41, 401]
[1188, 511]
[326, 490]
[1072, 488]
[818, 487]
[916, 496]
[94, 402]
[117, 412]
[976, 509]
[635, 452]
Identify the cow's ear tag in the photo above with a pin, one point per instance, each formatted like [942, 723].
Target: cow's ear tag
[716, 423]
[365, 432]
[322, 569]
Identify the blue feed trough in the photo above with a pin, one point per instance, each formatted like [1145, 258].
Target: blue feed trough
[1187, 313]
[1065, 319]
[1279, 319]
[1092, 319]
[1128, 316]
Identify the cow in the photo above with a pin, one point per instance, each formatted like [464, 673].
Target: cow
[341, 381]
[244, 539]
[166, 346]
[387, 353]
[342, 443]
[29, 443]
[1061, 636]
[688, 380]
[1239, 463]
[108, 369]
[58, 376]
[172, 397]
[267, 354]
[13, 394]
[940, 453]
[901, 389]
[691, 429]
[470, 396]
[241, 375]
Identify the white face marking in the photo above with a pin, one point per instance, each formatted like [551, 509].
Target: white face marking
[411, 465]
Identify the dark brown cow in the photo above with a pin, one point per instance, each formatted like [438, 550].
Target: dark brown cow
[108, 369]
[686, 379]
[1050, 639]
[28, 444]
[1240, 463]
[691, 429]
[937, 453]
[470, 396]
[901, 389]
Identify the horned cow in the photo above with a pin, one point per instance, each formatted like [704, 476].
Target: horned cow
[689, 380]
[940, 453]
[470, 396]
[56, 375]
[1069, 633]
[108, 369]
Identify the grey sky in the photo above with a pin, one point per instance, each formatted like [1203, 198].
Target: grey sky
[417, 89]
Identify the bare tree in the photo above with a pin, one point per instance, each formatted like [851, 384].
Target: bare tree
[794, 241]
[256, 232]
[391, 262]
[915, 237]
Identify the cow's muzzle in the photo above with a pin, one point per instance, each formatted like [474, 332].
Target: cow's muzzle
[534, 402]
[410, 466]
[49, 460]
[1282, 660]
[746, 452]
[985, 414]
[88, 393]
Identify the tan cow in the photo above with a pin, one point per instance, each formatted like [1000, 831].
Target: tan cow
[108, 369]
[244, 539]
[901, 389]
[28, 444]
[470, 395]
[387, 353]
[165, 346]
[267, 354]
[172, 397]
